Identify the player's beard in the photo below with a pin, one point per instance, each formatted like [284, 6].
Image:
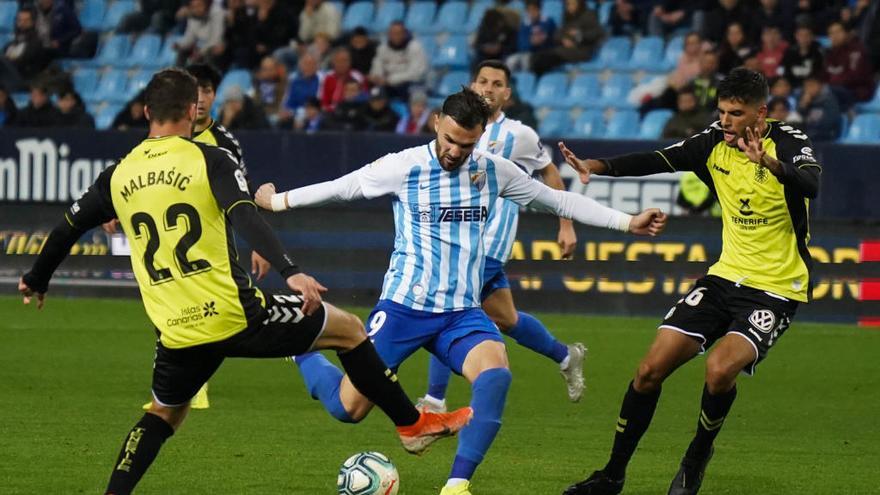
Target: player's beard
[442, 157]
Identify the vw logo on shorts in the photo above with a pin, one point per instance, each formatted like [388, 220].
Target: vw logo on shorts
[763, 319]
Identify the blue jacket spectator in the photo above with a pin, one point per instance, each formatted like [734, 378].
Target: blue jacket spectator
[536, 32]
[820, 110]
[303, 85]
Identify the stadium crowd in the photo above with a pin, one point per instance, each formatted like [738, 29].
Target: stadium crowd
[582, 69]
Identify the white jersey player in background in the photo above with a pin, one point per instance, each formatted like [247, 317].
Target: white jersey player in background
[443, 193]
[520, 144]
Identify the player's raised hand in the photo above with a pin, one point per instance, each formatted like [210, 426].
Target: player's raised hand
[567, 240]
[263, 198]
[752, 145]
[649, 222]
[259, 266]
[581, 166]
[28, 293]
[310, 290]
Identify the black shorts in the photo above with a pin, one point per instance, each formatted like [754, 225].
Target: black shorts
[716, 307]
[179, 373]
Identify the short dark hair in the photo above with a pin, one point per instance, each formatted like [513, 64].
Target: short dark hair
[493, 64]
[747, 86]
[467, 108]
[169, 95]
[205, 74]
[776, 101]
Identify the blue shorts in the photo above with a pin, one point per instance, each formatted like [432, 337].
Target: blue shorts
[398, 331]
[494, 278]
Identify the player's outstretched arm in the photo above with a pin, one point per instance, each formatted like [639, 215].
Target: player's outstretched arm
[345, 188]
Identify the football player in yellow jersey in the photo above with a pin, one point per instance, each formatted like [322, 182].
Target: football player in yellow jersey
[763, 173]
[179, 201]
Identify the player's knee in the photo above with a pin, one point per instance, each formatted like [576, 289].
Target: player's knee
[720, 376]
[505, 322]
[649, 377]
[353, 332]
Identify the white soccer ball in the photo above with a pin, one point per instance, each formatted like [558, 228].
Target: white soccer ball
[368, 473]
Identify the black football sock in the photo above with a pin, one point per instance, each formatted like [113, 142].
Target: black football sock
[369, 374]
[635, 416]
[138, 451]
[714, 410]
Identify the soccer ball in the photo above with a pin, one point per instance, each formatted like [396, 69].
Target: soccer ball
[368, 473]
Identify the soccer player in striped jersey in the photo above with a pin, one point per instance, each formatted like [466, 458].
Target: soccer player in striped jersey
[443, 194]
[520, 144]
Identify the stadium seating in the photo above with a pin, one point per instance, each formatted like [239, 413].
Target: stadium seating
[584, 89]
[92, 15]
[115, 13]
[476, 15]
[420, 16]
[556, 123]
[137, 82]
[452, 82]
[589, 125]
[145, 50]
[110, 88]
[648, 55]
[429, 44]
[674, 48]
[389, 11]
[605, 13]
[167, 56]
[105, 115]
[7, 16]
[615, 91]
[624, 124]
[114, 49]
[553, 9]
[551, 90]
[615, 53]
[450, 18]
[653, 123]
[358, 14]
[872, 105]
[5, 38]
[454, 53]
[85, 81]
[865, 129]
[236, 77]
[524, 85]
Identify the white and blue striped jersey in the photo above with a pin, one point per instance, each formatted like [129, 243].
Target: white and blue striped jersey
[520, 144]
[440, 219]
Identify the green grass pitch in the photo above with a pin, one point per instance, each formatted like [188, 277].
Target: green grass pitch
[73, 378]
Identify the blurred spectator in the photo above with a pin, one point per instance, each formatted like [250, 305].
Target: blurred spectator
[694, 196]
[771, 13]
[24, 56]
[400, 62]
[847, 67]
[265, 26]
[688, 66]
[320, 49]
[132, 115]
[319, 16]
[803, 58]
[430, 126]
[414, 122]
[310, 119]
[820, 110]
[780, 109]
[496, 35]
[270, 82]
[152, 15]
[236, 34]
[726, 12]
[869, 31]
[689, 119]
[735, 48]
[72, 110]
[629, 17]
[240, 112]
[535, 33]
[578, 38]
[773, 49]
[331, 91]
[780, 87]
[8, 110]
[668, 16]
[706, 83]
[348, 115]
[57, 26]
[377, 115]
[40, 112]
[820, 13]
[362, 49]
[202, 41]
[302, 86]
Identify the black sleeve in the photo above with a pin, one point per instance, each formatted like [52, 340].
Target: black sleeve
[233, 197]
[227, 141]
[687, 155]
[800, 169]
[92, 209]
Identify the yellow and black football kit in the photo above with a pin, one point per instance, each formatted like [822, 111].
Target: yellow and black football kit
[217, 135]
[764, 268]
[178, 201]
